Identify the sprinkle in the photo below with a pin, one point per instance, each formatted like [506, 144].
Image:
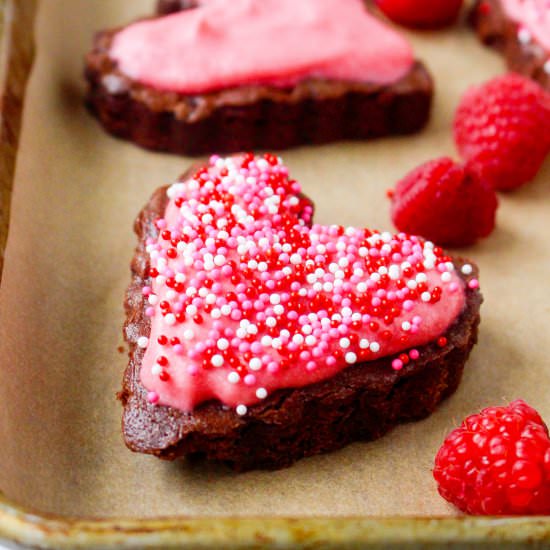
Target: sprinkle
[241, 410]
[255, 364]
[143, 341]
[217, 360]
[261, 393]
[397, 364]
[467, 269]
[524, 36]
[473, 284]
[152, 397]
[233, 377]
[351, 358]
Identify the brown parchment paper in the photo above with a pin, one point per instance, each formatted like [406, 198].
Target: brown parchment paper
[77, 191]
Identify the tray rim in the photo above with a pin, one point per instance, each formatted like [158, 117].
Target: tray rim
[22, 525]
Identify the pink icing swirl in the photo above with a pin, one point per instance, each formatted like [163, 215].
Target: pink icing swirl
[275, 42]
[246, 298]
[532, 15]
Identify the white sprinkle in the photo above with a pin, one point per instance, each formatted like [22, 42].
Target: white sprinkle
[153, 299]
[255, 363]
[188, 334]
[241, 410]
[261, 393]
[233, 377]
[421, 278]
[223, 344]
[271, 322]
[363, 343]
[406, 326]
[374, 347]
[446, 277]
[467, 269]
[295, 259]
[311, 340]
[351, 358]
[425, 296]
[266, 340]
[275, 299]
[215, 313]
[344, 343]
[225, 309]
[217, 360]
[156, 369]
[524, 36]
[361, 287]
[276, 343]
[547, 67]
[170, 319]
[298, 339]
[143, 341]
[278, 309]
[393, 272]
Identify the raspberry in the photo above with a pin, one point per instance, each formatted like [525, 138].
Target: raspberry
[497, 463]
[421, 13]
[502, 129]
[445, 203]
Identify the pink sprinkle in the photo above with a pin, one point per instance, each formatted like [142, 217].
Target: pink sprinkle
[150, 311]
[397, 364]
[152, 397]
[414, 354]
[178, 349]
[473, 284]
[250, 379]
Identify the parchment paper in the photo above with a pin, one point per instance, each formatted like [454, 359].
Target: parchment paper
[77, 191]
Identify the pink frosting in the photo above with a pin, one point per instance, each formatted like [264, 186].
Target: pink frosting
[533, 15]
[222, 44]
[265, 302]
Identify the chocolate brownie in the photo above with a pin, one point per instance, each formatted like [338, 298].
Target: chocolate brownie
[359, 403]
[523, 54]
[165, 7]
[252, 116]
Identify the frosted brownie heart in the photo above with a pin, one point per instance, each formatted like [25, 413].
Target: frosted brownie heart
[520, 29]
[245, 75]
[258, 337]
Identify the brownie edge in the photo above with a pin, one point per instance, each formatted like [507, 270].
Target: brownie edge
[360, 403]
[495, 29]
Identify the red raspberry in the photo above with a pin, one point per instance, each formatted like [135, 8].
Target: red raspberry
[443, 202]
[421, 13]
[502, 129]
[497, 463]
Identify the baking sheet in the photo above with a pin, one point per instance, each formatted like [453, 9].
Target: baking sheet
[77, 191]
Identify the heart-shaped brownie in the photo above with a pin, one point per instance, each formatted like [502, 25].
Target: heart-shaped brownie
[246, 74]
[238, 297]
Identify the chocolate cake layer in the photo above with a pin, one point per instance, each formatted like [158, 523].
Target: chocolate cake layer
[252, 117]
[362, 402]
[495, 29]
